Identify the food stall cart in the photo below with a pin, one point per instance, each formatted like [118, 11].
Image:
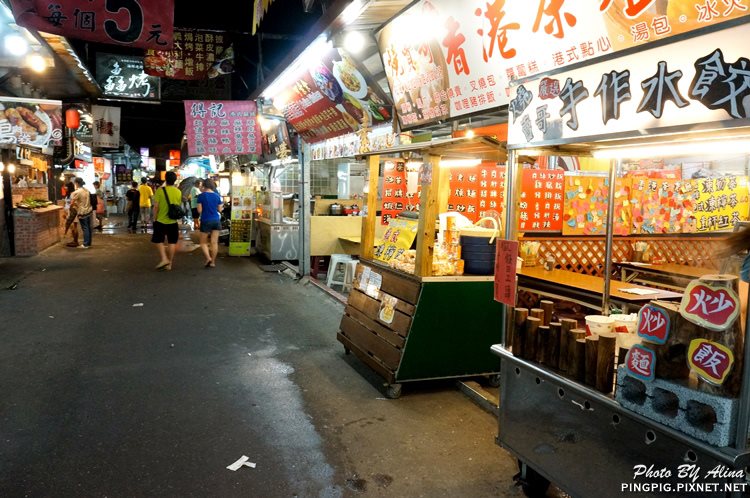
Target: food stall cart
[678, 421]
[409, 327]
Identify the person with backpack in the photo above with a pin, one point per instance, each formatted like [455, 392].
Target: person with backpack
[166, 231]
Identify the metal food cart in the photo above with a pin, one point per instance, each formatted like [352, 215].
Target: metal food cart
[564, 432]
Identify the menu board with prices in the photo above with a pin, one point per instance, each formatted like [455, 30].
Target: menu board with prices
[241, 224]
[123, 76]
[123, 174]
[721, 203]
[196, 55]
[541, 200]
[394, 190]
[222, 127]
[476, 190]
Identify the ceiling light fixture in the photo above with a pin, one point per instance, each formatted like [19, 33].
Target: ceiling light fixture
[681, 149]
[37, 63]
[16, 45]
[460, 163]
[354, 42]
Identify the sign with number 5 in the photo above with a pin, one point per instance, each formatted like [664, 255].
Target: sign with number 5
[135, 23]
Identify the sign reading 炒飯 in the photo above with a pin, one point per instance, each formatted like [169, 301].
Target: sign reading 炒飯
[115, 22]
[698, 80]
[123, 76]
[653, 324]
[715, 308]
[710, 360]
[641, 362]
[445, 58]
[222, 127]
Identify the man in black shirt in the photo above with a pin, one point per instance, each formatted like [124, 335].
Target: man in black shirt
[133, 206]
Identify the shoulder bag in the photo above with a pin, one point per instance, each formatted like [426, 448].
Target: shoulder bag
[174, 211]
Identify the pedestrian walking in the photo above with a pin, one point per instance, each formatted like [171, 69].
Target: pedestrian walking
[81, 201]
[165, 228]
[195, 191]
[209, 207]
[71, 215]
[147, 194]
[101, 208]
[133, 206]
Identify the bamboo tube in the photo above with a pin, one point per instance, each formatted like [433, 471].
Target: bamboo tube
[592, 346]
[519, 322]
[605, 362]
[573, 336]
[553, 357]
[548, 307]
[537, 313]
[578, 367]
[542, 346]
[567, 325]
[531, 332]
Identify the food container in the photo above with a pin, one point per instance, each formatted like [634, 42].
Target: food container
[599, 324]
[626, 323]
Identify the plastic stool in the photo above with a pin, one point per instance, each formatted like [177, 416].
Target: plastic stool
[333, 267]
[349, 271]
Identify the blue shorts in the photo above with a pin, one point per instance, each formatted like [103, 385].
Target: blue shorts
[210, 226]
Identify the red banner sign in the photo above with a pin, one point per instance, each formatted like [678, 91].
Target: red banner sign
[641, 363]
[653, 324]
[394, 190]
[116, 22]
[506, 256]
[476, 190]
[222, 127]
[709, 360]
[195, 56]
[715, 308]
[541, 206]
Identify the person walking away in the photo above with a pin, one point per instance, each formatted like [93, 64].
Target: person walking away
[164, 226]
[195, 191]
[147, 194]
[81, 201]
[133, 207]
[71, 215]
[209, 207]
[101, 209]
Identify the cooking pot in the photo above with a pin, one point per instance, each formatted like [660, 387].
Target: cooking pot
[335, 209]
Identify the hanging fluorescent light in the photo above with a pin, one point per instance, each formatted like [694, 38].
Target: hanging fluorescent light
[460, 163]
[354, 42]
[714, 147]
[16, 45]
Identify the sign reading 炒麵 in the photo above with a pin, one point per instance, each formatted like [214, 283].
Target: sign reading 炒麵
[115, 22]
[222, 127]
[699, 80]
[124, 76]
[445, 58]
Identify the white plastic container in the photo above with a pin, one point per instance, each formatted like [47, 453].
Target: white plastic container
[599, 324]
[626, 323]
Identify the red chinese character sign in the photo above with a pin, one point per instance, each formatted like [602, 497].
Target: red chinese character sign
[710, 360]
[506, 257]
[476, 190]
[641, 362]
[331, 97]
[653, 324]
[116, 22]
[196, 55]
[540, 208]
[715, 308]
[394, 190]
[222, 127]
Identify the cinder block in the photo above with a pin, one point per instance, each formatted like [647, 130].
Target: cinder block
[702, 415]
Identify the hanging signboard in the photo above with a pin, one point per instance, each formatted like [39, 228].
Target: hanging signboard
[193, 56]
[332, 97]
[33, 122]
[218, 88]
[540, 207]
[123, 76]
[692, 81]
[106, 126]
[131, 23]
[349, 145]
[222, 127]
[444, 58]
[506, 258]
[276, 142]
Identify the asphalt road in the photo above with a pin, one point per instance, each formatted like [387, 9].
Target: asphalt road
[104, 398]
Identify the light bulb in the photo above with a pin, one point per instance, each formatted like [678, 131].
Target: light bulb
[354, 42]
[37, 63]
[11, 168]
[16, 45]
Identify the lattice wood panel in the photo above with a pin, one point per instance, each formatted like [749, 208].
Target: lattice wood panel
[585, 255]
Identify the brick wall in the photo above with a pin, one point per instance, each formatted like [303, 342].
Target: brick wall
[34, 192]
[38, 229]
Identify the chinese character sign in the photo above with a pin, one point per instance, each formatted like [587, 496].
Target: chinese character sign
[124, 76]
[33, 122]
[476, 190]
[653, 324]
[222, 127]
[506, 256]
[641, 362]
[115, 22]
[586, 202]
[710, 360]
[394, 191]
[698, 80]
[398, 238]
[715, 308]
[721, 202]
[106, 126]
[540, 207]
[333, 96]
[662, 205]
[194, 54]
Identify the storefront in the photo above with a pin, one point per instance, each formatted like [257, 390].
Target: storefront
[654, 152]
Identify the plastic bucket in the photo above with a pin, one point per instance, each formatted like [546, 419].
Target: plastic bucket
[475, 267]
[599, 324]
[626, 323]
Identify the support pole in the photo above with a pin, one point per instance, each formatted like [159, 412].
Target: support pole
[304, 207]
[432, 201]
[614, 167]
[368, 224]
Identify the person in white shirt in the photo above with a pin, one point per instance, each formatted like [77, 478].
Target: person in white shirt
[22, 183]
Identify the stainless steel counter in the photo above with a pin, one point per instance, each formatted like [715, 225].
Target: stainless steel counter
[278, 241]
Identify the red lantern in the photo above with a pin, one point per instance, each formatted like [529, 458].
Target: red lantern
[72, 119]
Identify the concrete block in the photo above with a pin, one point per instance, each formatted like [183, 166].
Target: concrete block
[701, 415]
